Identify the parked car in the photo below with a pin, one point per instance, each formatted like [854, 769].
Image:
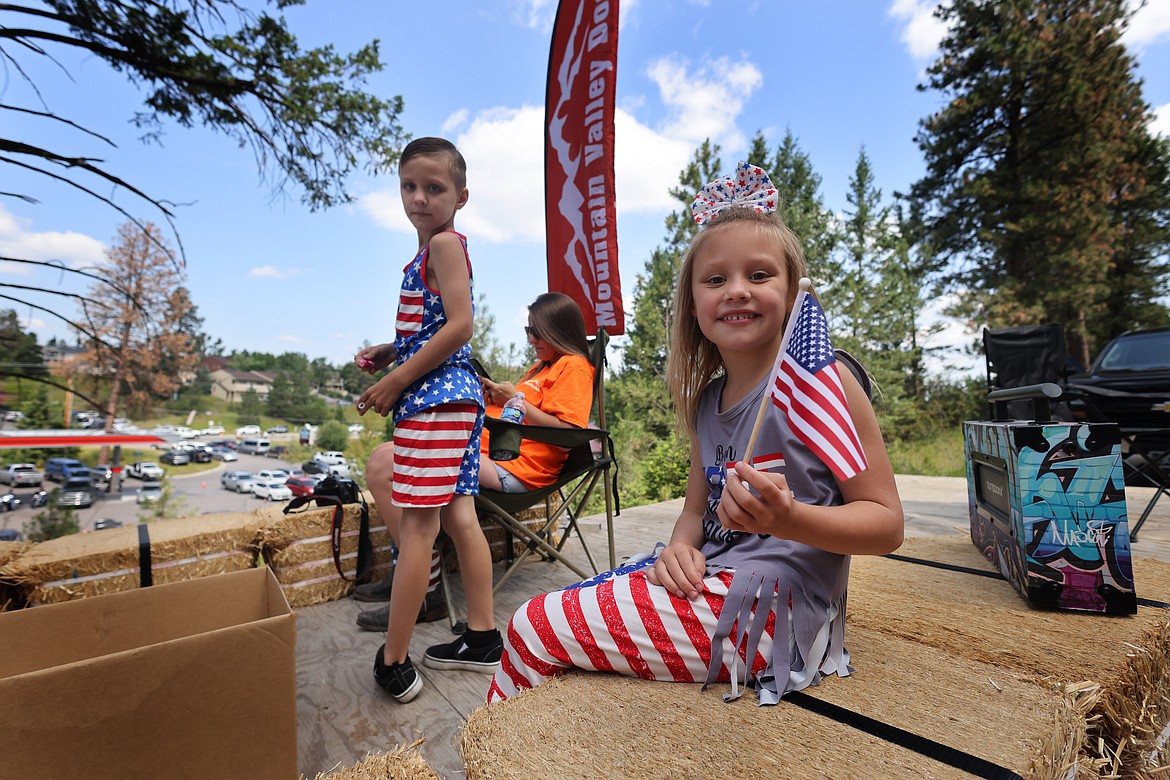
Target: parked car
[212, 430]
[254, 446]
[101, 473]
[186, 433]
[150, 492]
[314, 468]
[175, 458]
[77, 491]
[9, 502]
[238, 481]
[272, 475]
[200, 453]
[301, 486]
[356, 428]
[225, 454]
[272, 490]
[13, 415]
[247, 430]
[330, 458]
[278, 429]
[336, 469]
[10, 535]
[145, 470]
[1131, 377]
[230, 444]
[59, 469]
[21, 475]
[277, 452]
[106, 522]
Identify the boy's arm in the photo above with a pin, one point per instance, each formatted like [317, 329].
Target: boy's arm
[447, 261]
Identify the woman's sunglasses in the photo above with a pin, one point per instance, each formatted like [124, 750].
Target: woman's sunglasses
[531, 332]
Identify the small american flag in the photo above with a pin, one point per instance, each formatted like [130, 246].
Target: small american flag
[807, 386]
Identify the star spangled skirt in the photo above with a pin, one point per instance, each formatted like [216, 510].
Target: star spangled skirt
[620, 623]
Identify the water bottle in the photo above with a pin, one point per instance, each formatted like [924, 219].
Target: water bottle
[514, 409]
[505, 442]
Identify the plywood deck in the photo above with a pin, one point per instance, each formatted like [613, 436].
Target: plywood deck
[343, 715]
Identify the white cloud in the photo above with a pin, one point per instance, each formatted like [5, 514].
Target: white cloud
[17, 239]
[452, 123]
[504, 149]
[1150, 23]
[272, 272]
[646, 165]
[1160, 125]
[923, 32]
[704, 101]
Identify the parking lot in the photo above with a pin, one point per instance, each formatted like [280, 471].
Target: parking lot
[201, 494]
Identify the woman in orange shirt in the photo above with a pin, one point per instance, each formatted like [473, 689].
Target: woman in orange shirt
[558, 392]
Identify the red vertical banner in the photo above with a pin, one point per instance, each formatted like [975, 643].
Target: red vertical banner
[579, 211]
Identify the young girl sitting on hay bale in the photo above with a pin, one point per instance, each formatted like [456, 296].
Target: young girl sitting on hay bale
[753, 581]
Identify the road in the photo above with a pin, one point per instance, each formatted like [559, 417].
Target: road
[201, 493]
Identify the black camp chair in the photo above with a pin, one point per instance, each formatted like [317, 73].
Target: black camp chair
[591, 462]
[1036, 355]
[1021, 357]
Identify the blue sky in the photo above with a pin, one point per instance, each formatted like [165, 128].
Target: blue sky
[268, 275]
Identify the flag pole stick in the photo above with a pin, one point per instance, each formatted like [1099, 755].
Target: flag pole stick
[805, 286]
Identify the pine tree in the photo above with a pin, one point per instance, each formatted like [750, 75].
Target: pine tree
[639, 391]
[1041, 168]
[803, 207]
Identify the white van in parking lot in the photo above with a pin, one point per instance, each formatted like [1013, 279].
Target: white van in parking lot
[254, 446]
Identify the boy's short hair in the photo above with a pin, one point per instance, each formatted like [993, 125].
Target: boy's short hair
[435, 147]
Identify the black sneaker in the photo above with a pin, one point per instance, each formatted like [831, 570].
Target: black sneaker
[456, 654]
[375, 591]
[433, 608]
[401, 681]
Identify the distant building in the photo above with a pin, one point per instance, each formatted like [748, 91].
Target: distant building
[231, 385]
[55, 352]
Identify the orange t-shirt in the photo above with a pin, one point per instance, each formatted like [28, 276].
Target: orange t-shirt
[564, 390]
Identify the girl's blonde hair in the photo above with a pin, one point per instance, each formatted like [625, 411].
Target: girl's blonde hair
[693, 360]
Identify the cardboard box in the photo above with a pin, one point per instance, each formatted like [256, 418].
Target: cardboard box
[1047, 505]
[193, 679]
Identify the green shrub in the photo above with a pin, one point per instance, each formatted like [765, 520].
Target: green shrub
[332, 435]
[52, 522]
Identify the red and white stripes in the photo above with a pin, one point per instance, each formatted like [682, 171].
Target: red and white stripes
[624, 625]
[428, 452]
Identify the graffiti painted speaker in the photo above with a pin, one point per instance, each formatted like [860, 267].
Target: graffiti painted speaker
[1047, 503]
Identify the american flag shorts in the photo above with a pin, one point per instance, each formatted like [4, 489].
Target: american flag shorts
[436, 455]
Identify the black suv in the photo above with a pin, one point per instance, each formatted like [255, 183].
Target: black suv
[1129, 382]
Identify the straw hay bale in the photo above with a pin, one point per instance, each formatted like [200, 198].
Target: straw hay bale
[1125, 658]
[9, 594]
[91, 564]
[402, 763]
[498, 536]
[951, 656]
[591, 725]
[298, 548]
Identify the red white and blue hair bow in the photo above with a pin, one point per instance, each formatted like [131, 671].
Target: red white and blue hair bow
[750, 188]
